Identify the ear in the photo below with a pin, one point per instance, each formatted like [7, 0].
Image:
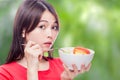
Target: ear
[23, 33]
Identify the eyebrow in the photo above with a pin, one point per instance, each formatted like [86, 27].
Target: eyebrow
[43, 21]
[47, 21]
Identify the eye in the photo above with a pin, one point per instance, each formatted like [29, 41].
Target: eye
[55, 27]
[42, 27]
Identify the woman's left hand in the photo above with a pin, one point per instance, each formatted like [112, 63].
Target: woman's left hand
[70, 75]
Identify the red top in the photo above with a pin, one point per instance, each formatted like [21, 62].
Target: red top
[14, 71]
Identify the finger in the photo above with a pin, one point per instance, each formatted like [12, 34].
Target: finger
[40, 56]
[69, 73]
[82, 68]
[39, 50]
[66, 68]
[30, 44]
[88, 67]
[75, 68]
[76, 72]
[64, 76]
[36, 46]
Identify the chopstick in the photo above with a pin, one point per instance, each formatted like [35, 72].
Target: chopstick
[48, 50]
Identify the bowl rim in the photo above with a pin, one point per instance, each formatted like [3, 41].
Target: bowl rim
[92, 52]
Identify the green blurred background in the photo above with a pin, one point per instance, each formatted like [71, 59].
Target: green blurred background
[94, 24]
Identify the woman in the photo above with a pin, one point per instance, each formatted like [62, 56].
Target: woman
[36, 27]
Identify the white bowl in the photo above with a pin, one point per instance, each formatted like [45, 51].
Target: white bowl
[68, 58]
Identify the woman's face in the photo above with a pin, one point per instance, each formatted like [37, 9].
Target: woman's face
[46, 31]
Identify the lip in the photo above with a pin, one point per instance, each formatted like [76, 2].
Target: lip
[48, 44]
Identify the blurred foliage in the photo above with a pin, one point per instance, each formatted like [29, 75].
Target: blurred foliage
[90, 23]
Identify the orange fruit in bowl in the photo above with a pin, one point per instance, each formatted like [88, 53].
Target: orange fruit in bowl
[80, 50]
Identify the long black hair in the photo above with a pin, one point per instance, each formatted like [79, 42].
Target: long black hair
[27, 18]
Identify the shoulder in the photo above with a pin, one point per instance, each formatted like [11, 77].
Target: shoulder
[4, 68]
[4, 72]
[8, 66]
[12, 71]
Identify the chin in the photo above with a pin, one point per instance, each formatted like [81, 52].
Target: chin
[46, 49]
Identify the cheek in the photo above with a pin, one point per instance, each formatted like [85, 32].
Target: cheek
[55, 34]
[34, 36]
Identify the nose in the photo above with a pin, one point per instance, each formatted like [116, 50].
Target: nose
[49, 33]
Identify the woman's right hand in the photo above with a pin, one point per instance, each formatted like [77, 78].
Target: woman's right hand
[33, 53]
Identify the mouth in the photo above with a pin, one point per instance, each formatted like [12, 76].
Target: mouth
[48, 44]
